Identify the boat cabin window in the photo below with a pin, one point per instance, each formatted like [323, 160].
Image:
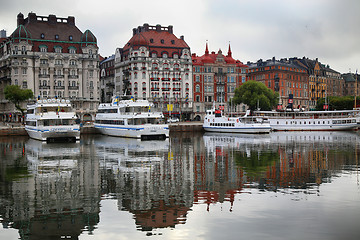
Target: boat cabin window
[30, 111]
[109, 110]
[56, 122]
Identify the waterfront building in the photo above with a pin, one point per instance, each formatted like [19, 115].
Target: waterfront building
[156, 65]
[323, 81]
[351, 84]
[285, 77]
[53, 58]
[107, 79]
[215, 78]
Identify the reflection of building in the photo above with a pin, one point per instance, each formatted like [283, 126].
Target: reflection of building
[60, 195]
[149, 179]
[230, 164]
[52, 57]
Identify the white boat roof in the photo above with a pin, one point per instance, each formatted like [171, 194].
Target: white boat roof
[126, 103]
[50, 103]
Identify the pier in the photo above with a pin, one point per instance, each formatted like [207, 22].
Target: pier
[16, 129]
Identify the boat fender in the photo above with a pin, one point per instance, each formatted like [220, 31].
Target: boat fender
[208, 120]
[228, 119]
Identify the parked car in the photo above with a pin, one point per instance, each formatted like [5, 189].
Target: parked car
[173, 120]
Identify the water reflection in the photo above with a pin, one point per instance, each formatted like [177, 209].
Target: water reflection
[55, 190]
[52, 193]
[148, 179]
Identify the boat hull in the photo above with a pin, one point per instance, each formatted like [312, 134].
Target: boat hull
[311, 125]
[55, 133]
[135, 131]
[250, 129]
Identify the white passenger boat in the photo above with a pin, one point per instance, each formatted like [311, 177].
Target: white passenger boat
[340, 120]
[214, 121]
[128, 118]
[52, 120]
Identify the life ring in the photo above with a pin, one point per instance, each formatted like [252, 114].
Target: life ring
[237, 120]
[228, 119]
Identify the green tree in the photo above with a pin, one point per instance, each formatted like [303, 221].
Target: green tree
[16, 95]
[337, 103]
[255, 94]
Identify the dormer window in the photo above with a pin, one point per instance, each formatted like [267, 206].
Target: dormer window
[56, 37]
[172, 41]
[42, 36]
[70, 37]
[151, 40]
[162, 41]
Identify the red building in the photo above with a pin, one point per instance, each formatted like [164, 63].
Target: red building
[215, 78]
[282, 76]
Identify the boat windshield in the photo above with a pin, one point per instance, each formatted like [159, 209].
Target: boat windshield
[54, 109]
[141, 121]
[56, 122]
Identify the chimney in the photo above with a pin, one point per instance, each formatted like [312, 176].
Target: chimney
[52, 19]
[134, 31]
[71, 21]
[146, 27]
[182, 37]
[32, 18]
[3, 33]
[170, 29]
[20, 19]
[158, 28]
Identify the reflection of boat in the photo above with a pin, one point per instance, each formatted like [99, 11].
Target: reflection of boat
[130, 152]
[134, 119]
[214, 121]
[51, 119]
[47, 159]
[311, 120]
[234, 140]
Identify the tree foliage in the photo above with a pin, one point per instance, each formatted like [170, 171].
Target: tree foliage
[16, 95]
[337, 103]
[254, 94]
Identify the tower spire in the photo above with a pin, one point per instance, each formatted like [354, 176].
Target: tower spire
[206, 50]
[229, 51]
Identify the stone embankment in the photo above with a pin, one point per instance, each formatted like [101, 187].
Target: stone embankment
[13, 129]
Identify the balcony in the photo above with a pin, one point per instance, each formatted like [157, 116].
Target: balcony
[165, 89]
[44, 87]
[73, 88]
[155, 89]
[176, 89]
[44, 76]
[165, 79]
[154, 79]
[59, 87]
[176, 79]
[73, 76]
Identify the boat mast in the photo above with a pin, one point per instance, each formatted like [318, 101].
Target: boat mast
[355, 89]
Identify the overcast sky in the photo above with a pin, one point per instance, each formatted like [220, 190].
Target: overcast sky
[325, 29]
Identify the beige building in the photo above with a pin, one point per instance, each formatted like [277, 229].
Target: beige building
[53, 58]
[156, 65]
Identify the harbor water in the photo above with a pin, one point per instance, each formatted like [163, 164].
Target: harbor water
[282, 185]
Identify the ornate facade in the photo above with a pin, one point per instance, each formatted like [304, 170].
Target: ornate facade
[53, 58]
[156, 65]
[215, 78]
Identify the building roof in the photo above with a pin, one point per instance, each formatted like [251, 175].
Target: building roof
[51, 31]
[156, 38]
[213, 57]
